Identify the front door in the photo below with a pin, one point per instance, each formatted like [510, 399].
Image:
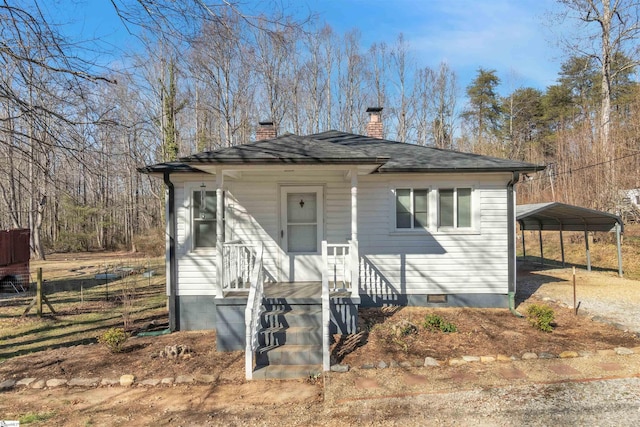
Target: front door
[301, 233]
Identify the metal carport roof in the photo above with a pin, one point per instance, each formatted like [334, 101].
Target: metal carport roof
[554, 216]
[559, 216]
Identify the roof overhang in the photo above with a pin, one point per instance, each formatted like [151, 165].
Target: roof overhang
[559, 216]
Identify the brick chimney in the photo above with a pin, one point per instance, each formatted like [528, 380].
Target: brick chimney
[266, 130]
[374, 127]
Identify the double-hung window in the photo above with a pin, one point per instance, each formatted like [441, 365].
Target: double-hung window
[454, 208]
[412, 208]
[203, 213]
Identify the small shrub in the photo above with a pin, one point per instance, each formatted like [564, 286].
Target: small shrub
[114, 339]
[541, 317]
[433, 322]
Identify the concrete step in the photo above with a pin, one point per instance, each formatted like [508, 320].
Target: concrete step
[289, 355]
[295, 318]
[282, 372]
[300, 335]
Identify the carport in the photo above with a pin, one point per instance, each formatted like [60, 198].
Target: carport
[554, 216]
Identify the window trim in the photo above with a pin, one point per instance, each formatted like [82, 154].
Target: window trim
[413, 228]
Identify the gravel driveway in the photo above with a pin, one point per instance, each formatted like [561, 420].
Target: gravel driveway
[603, 295]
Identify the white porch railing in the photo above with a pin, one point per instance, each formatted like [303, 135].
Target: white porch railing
[341, 270]
[252, 313]
[342, 266]
[238, 260]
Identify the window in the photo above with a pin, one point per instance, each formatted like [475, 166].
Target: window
[203, 212]
[412, 208]
[454, 207]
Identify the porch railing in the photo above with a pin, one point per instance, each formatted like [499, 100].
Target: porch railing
[253, 312]
[238, 260]
[341, 265]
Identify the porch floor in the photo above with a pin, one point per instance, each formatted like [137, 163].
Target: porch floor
[295, 290]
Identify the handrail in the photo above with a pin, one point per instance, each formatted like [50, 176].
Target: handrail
[237, 259]
[326, 309]
[337, 261]
[253, 312]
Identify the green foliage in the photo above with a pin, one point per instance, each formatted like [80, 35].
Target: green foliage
[541, 317]
[433, 323]
[33, 417]
[114, 339]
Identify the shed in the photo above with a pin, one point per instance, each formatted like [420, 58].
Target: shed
[554, 216]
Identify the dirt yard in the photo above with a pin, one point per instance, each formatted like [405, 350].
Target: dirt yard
[232, 401]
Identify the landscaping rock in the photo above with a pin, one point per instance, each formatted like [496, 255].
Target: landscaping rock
[184, 379]
[547, 356]
[7, 385]
[405, 364]
[394, 364]
[487, 359]
[56, 382]
[418, 363]
[568, 354]
[25, 382]
[585, 353]
[168, 381]
[109, 381]
[206, 379]
[457, 362]
[471, 358]
[623, 351]
[382, 365]
[150, 382]
[84, 382]
[607, 352]
[38, 384]
[430, 361]
[340, 368]
[529, 356]
[127, 380]
[367, 366]
[503, 358]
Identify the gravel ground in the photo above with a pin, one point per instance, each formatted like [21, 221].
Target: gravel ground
[602, 295]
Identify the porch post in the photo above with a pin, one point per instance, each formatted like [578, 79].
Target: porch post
[219, 229]
[353, 249]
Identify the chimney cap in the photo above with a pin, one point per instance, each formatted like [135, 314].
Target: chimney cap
[266, 123]
[374, 109]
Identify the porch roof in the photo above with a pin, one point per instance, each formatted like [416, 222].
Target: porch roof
[334, 147]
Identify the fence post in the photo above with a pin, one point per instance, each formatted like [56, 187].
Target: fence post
[39, 292]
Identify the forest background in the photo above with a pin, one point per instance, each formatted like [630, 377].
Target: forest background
[73, 131]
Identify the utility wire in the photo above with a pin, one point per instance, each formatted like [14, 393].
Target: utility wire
[571, 170]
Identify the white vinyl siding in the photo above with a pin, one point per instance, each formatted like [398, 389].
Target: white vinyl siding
[439, 261]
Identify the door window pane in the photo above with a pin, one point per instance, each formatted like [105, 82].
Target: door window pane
[301, 208]
[302, 238]
[445, 208]
[464, 207]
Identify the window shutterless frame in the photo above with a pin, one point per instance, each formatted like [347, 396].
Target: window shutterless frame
[455, 207]
[411, 208]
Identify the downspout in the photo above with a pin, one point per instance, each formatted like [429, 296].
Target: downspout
[174, 318]
[511, 246]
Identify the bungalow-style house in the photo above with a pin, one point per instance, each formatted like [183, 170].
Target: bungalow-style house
[277, 242]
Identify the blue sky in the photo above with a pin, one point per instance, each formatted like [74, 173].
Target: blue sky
[510, 36]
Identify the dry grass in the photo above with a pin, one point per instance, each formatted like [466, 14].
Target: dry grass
[604, 255]
[85, 306]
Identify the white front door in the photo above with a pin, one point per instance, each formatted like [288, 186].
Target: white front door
[301, 233]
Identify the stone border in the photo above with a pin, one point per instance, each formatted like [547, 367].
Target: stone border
[129, 380]
[431, 362]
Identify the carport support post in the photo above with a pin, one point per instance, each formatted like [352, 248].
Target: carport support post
[39, 292]
[524, 247]
[561, 245]
[541, 252]
[586, 243]
[619, 249]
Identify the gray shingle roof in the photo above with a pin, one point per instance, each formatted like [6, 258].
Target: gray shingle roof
[334, 147]
[556, 216]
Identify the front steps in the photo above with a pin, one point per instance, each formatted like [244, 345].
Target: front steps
[290, 339]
